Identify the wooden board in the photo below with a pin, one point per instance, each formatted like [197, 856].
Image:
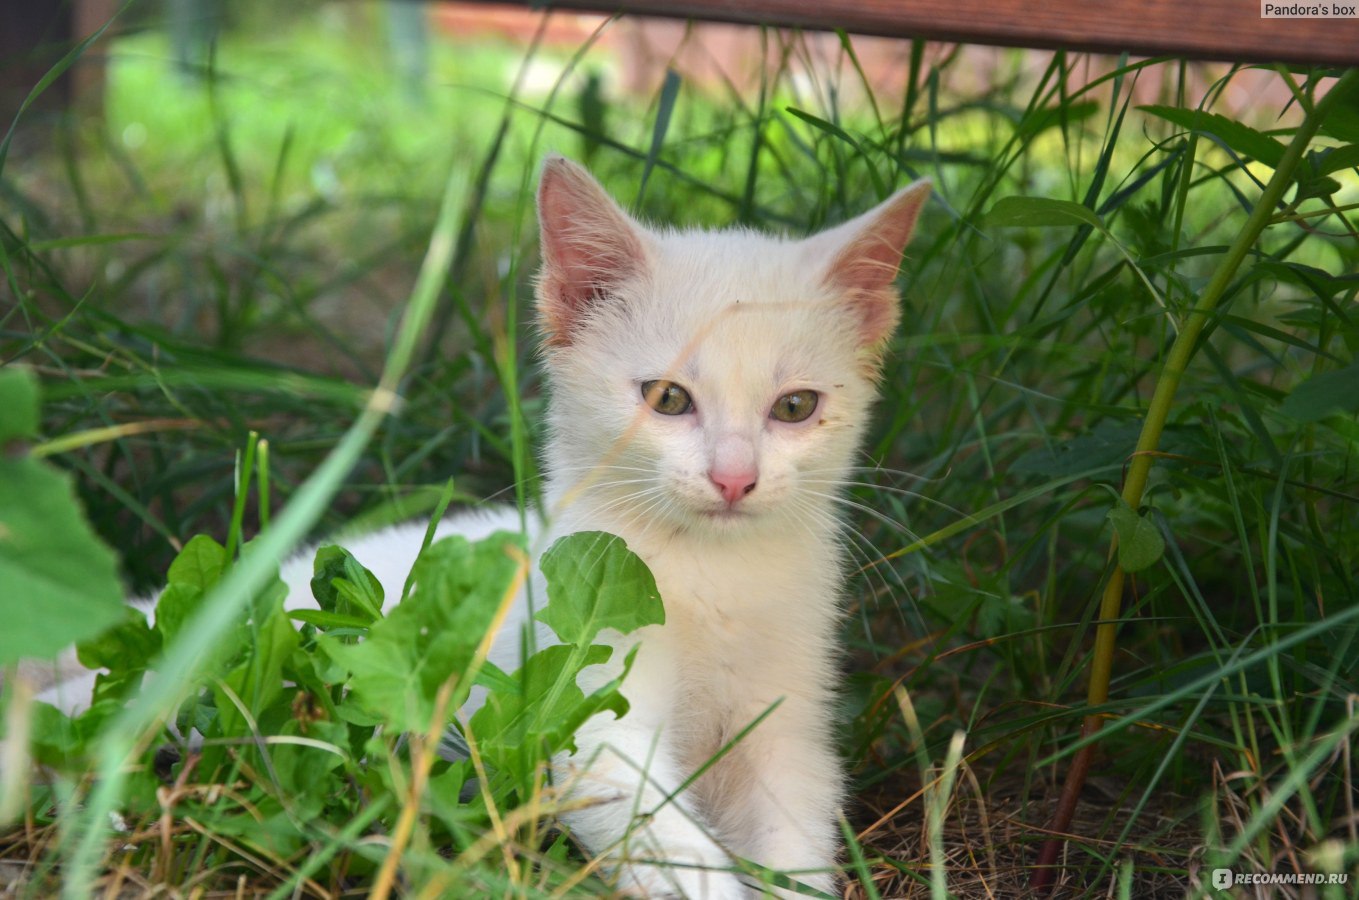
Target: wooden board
[1198, 29]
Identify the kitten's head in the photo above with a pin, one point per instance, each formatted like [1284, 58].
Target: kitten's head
[710, 381]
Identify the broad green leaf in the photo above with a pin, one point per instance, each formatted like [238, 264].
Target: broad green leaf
[60, 581]
[1139, 541]
[1316, 398]
[194, 570]
[432, 635]
[1040, 212]
[1242, 138]
[199, 564]
[595, 582]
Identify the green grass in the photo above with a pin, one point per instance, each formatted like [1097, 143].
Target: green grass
[232, 255]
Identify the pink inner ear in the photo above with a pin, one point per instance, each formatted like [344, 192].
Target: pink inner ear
[589, 245]
[866, 266]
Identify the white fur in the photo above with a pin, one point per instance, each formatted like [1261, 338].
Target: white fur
[751, 588]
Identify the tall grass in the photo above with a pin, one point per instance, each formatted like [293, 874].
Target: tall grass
[215, 257]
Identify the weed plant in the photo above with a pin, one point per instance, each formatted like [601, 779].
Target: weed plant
[250, 317]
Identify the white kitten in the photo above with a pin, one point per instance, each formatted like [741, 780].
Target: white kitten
[708, 393]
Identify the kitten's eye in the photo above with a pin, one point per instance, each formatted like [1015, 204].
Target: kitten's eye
[666, 397]
[794, 407]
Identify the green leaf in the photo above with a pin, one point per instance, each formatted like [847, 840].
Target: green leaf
[1040, 212]
[344, 587]
[19, 400]
[60, 581]
[544, 707]
[330, 621]
[258, 680]
[130, 644]
[432, 635]
[126, 650]
[1108, 443]
[595, 582]
[197, 567]
[1316, 398]
[1243, 139]
[1333, 159]
[1139, 541]
[1040, 120]
[1343, 122]
[664, 107]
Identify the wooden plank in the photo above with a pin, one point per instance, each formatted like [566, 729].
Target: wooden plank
[1198, 29]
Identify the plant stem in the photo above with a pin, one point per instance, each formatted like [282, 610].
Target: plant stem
[1102, 660]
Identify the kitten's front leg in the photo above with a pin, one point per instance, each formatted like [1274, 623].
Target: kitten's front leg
[623, 778]
[784, 813]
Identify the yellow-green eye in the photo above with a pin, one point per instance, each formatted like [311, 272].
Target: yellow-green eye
[794, 407]
[666, 397]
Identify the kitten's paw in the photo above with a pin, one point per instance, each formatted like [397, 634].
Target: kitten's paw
[656, 882]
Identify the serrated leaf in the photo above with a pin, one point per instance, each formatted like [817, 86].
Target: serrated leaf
[1243, 139]
[1331, 392]
[1333, 159]
[1139, 541]
[1040, 212]
[60, 581]
[538, 713]
[517, 716]
[595, 582]
[432, 635]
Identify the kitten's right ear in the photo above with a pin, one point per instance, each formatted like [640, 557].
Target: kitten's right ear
[588, 244]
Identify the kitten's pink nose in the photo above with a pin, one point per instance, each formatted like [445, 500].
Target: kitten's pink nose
[733, 484]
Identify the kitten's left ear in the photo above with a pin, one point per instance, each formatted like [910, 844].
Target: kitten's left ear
[868, 254]
[589, 247]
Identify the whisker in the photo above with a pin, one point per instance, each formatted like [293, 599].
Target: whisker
[864, 508]
[890, 489]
